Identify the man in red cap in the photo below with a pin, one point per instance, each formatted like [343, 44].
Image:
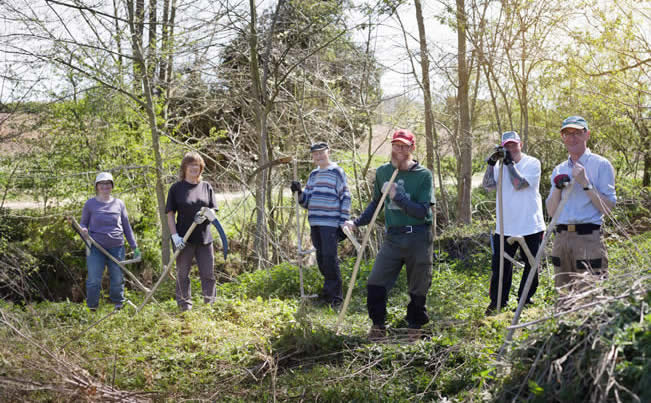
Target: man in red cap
[523, 216]
[408, 238]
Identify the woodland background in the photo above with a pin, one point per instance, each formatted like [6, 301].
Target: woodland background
[129, 86]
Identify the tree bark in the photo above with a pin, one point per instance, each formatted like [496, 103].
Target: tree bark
[465, 135]
[431, 136]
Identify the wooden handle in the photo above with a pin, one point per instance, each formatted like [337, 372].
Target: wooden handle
[360, 251]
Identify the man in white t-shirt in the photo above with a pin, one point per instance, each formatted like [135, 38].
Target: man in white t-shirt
[523, 214]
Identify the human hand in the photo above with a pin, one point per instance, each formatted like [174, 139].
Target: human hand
[199, 218]
[350, 225]
[137, 254]
[507, 158]
[561, 180]
[178, 241]
[578, 173]
[295, 187]
[209, 214]
[496, 155]
[392, 190]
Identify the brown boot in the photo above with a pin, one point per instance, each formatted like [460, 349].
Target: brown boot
[413, 335]
[377, 334]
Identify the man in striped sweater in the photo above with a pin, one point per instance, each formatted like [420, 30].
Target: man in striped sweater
[327, 200]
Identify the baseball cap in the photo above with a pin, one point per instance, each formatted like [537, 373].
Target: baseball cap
[321, 145]
[510, 137]
[404, 136]
[576, 122]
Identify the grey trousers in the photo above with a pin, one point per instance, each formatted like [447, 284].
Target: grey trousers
[414, 251]
[205, 261]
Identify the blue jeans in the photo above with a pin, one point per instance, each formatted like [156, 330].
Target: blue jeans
[95, 263]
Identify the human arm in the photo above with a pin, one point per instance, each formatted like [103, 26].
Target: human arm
[489, 183]
[366, 216]
[344, 199]
[85, 219]
[126, 226]
[518, 180]
[602, 202]
[411, 208]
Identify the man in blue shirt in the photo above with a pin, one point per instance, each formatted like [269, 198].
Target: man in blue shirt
[579, 249]
[327, 200]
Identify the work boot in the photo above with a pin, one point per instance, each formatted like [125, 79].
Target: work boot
[413, 335]
[377, 334]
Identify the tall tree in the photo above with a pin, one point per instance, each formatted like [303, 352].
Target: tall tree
[465, 134]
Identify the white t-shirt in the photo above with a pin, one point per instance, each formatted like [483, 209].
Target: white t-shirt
[523, 213]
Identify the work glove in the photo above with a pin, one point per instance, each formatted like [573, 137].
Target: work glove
[295, 186]
[178, 241]
[507, 158]
[199, 218]
[498, 154]
[136, 253]
[209, 214]
[561, 181]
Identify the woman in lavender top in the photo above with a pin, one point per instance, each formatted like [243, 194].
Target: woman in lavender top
[105, 219]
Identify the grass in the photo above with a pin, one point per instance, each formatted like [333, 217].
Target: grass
[258, 341]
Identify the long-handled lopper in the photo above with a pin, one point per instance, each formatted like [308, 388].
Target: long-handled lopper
[360, 251]
[210, 215]
[550, 228]
[299, 248]
[88, 240]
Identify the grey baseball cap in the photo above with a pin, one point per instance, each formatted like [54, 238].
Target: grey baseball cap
[510, 137]
[576, 122]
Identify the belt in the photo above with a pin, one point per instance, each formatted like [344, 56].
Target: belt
[581, 229]
[408, 229]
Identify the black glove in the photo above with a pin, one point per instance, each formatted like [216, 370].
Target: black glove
[295, 186]
[498, 154]
[507, 158]
[561, 180]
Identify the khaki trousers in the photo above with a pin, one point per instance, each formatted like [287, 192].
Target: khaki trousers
[578, 258]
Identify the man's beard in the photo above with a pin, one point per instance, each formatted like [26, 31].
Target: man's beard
[399, 158]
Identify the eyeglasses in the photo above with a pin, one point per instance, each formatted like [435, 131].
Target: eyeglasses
[401, 147]
[105, 183]
[573, 133]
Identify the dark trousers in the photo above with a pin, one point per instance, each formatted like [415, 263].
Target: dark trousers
[414, 251]
[324, 240]
[533, 243]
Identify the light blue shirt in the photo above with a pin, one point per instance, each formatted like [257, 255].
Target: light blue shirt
[579, 208]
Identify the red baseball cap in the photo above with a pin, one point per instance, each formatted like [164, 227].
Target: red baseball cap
[404, 136]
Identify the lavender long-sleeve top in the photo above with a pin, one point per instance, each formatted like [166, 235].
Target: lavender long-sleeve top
[107, 223]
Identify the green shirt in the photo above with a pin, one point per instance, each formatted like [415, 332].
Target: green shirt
[416, 183]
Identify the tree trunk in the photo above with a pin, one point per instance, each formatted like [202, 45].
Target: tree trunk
[260, 242]
[465, 136]
[431, 136]
[136, 43]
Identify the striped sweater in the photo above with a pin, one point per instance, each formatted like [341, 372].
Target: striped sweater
[326, 197]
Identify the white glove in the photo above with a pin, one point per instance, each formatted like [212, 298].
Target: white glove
[209, 214]
[199, 218]
[178, 241]
[350, 225]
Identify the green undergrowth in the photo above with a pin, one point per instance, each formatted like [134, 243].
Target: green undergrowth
[260, 341]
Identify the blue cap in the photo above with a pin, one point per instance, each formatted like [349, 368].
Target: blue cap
[576, 122]
[322, 145]
[510, 137]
